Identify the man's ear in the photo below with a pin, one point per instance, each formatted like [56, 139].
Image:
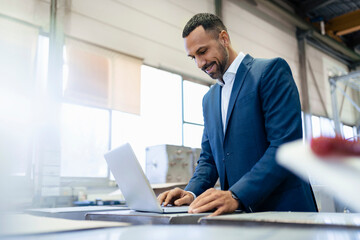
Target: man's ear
[224, 38]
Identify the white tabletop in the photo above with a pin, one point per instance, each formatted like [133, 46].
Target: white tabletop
[187, 232]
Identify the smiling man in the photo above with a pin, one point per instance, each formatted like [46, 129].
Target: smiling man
[248, 114]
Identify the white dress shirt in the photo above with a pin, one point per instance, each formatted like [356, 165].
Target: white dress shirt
[227, 86]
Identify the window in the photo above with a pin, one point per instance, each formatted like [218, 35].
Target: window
[127, 127]
[193, 135]
[84, 140]
[193, 95]
[348, 132]
[95, 81]
[322, 126]
[85, 130]
[193, 125]
[327, 127]
[160, 118]
[16, 131]
[315, 122]
[160, 107]
[18, 46]
[100, 77]
[171, 111]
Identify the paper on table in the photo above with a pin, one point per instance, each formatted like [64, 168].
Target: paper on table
[19, 224]
[341, 176]
[311, 218]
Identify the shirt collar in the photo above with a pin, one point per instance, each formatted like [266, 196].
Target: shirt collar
[231, 71]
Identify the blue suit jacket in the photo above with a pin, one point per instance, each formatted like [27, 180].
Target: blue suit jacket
[264, 112]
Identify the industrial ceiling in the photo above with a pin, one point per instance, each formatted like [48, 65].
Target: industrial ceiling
[338, 19]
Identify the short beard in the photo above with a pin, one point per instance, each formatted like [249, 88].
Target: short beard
[224, 62]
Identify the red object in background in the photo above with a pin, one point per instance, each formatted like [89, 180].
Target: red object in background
[336, 146]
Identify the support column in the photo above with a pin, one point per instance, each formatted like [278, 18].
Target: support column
[218, 8]
[335, 111]
[305, 103]
[47, 149]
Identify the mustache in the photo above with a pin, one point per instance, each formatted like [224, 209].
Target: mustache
[206, 66]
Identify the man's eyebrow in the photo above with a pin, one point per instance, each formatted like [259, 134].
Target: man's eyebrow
[197, 51]
[200, 49]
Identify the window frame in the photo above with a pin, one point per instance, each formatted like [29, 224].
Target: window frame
[100, 182]
[183, 105]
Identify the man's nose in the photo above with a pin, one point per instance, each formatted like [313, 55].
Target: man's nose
[200, 62]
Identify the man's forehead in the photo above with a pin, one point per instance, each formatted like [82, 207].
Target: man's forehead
[197, 38]
[198, 33]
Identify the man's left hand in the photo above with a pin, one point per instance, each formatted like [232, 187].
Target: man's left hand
[211, 199]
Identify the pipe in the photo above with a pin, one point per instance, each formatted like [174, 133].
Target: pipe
[218, 8]
[300, 23]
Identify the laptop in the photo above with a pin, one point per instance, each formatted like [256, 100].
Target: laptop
[133, 183]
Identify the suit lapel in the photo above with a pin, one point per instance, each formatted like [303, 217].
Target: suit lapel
[217, 105]
[238, 83]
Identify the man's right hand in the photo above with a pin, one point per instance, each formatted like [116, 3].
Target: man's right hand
[176, 196]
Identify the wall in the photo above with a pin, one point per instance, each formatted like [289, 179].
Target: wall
[267, 36]
[146, 29]
[151, 30]
[33, 12]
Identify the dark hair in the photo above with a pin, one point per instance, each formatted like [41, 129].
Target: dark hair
[210, 22]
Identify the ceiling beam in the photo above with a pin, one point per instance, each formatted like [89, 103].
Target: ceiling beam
[302, 24]
[344, 24]
[316, 4]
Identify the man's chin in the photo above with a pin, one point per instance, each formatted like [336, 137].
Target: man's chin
[214, 75]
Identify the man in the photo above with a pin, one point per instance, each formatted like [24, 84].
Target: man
[248, 114]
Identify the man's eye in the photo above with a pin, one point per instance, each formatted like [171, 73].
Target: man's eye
[202, 52]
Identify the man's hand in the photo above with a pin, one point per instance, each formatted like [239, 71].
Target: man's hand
[176, 196]
[211, 199]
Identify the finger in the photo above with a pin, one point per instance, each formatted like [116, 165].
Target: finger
[219, 211]
[187, 199]
[203, 195]
[201, 202]
[204, 200]
[207, 207]
[167, 198]
[172, 194]
[162, 197]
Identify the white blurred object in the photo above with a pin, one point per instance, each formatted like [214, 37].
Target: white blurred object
[341, 175]
[322, 27]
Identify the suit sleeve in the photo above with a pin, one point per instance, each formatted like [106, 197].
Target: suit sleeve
[282, 118]
[205, 175]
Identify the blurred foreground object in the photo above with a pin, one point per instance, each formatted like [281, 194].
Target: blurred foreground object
[337, 146]
[341, 175]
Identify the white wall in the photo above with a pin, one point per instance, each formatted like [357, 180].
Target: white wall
[151, 30]
[35, 12]
[267, 38]
[262, 36]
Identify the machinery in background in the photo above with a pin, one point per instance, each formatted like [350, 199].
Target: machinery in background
[170, 163]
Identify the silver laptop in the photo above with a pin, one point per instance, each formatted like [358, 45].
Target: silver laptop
[133, 183]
